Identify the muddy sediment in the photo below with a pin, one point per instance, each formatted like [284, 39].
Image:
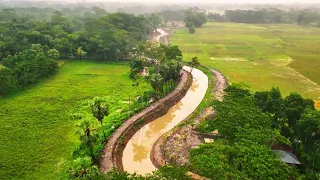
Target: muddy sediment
[112, 154]
[174, 146]
[136, 155]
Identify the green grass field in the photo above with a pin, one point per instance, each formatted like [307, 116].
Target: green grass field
[37, 135]
[258, 56]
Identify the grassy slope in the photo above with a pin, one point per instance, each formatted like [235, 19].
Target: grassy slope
[259, 56]
[36, 134]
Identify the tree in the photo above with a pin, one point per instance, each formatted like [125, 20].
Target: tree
[156, 81]
[99, 109]
[29, 66]
[196, 17]
[169, 172]
[191, 27]
[194, 63]
[88, 134]
[80, 52]
[172, 52]
[8, 81]
[53, 54]
[212, 160]
[163, 63]
[308, 140]
[301, 19]
[82, 168]
[136, 66]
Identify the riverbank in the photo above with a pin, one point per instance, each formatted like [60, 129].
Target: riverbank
[174, 146]
[136, 156]
[112, 154]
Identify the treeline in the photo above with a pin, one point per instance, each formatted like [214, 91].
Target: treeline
[249, 125]
[301, 17]
[27, 67]
[104, 36]
[266, 15]
[28, 45]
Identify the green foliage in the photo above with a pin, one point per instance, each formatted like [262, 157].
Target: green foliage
[308, 141]
[299, 16]
[212, 160]
[8, 80]
[165, 173]
[170, 173]
[102, 36]
[232, 116]
[297, 120]
[162, 63]
[243, 148]
[194, 63]
[99, 108]
[171, 52]
[191, 27]
[26, 67]
[88, 131]
[82, 168]
[197, 17]
[119, 175]
[53, 54]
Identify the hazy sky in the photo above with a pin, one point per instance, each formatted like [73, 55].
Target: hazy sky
[217, 1]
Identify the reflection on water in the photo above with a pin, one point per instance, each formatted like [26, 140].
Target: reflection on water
[140, 152]
[136, 155]
[194, 85]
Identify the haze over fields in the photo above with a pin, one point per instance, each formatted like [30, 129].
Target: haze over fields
[90, 86]
[196, 1]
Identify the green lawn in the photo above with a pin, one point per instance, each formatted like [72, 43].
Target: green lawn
[37, 135]
[258, 56]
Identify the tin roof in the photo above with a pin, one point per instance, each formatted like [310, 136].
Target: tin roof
[287, 157]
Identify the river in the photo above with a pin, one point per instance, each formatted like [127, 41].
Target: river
[136, 155]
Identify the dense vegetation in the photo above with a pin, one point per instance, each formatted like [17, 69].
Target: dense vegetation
[309, 16]
[249, 124]
[26, 41]
[104, 36]
[273, 15]
[297, 120]
[161, 66]
[27, 67]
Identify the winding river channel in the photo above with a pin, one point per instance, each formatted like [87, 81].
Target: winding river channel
[136, 155]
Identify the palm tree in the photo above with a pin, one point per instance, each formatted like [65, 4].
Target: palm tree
[99, 109]
[88, 132]
[194, 63]
[82, 168]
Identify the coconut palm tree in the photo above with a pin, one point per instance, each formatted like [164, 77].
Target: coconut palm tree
[194, 63]
[88, 130]
[99, 109]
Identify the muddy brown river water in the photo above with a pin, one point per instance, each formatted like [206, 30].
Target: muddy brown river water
[136, 155]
